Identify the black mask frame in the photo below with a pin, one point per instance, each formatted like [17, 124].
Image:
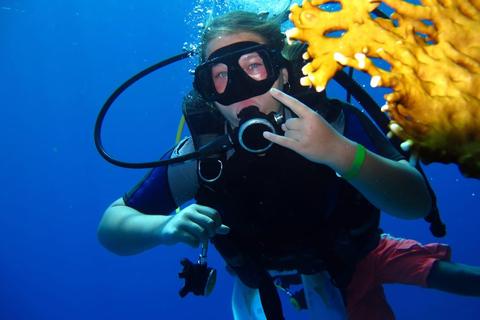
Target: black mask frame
[240, 85]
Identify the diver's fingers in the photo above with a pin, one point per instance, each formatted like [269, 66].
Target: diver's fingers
[280, 140]
[292, 124]
[294, 135]
[223, 229]
[211, 220]
[188, 238]
[210, 213]
[296, 106]
[199, 229]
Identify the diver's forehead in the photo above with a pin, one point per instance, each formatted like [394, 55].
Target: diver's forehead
[226, 40]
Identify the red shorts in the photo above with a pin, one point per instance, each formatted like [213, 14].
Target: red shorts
[395, 260]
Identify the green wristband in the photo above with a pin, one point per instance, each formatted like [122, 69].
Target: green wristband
[357, 163]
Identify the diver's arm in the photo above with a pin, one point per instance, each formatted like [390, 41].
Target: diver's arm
[393, 187]
[455, 278]
[141, 220]
[125, 231]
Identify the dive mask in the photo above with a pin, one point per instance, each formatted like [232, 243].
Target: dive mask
[237, 72]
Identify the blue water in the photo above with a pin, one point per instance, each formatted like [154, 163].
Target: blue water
[59, 62]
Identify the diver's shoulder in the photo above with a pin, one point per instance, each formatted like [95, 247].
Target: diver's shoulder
[185, 146]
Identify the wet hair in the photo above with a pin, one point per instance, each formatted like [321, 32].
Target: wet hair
[269, 29]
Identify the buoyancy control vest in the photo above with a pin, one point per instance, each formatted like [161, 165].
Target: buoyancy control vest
[284, 212]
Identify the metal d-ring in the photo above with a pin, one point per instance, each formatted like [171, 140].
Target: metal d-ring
[209, 180]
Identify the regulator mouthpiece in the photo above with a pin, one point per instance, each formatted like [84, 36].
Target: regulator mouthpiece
[252, 125]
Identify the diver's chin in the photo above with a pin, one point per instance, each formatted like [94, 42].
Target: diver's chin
[234, 124]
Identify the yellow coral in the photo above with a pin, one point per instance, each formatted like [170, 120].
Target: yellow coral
[434, 68]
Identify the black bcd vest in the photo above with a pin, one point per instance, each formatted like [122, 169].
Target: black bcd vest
[284, 211]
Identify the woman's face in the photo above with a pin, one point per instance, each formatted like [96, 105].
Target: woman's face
[265, 103]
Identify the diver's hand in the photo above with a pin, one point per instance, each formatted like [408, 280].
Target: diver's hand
[309, 135]
[193, 225]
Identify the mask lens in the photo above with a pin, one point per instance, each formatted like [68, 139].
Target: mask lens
[253, 66]
[220, 77]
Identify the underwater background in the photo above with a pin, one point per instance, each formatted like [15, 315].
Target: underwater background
[59, 62]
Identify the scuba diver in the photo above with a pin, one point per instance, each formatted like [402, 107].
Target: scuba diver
[295, 190]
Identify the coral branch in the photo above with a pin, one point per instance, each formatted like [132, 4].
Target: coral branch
[434, 55]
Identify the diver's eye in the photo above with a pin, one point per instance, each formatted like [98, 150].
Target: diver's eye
[253, 66]
[220, 77]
